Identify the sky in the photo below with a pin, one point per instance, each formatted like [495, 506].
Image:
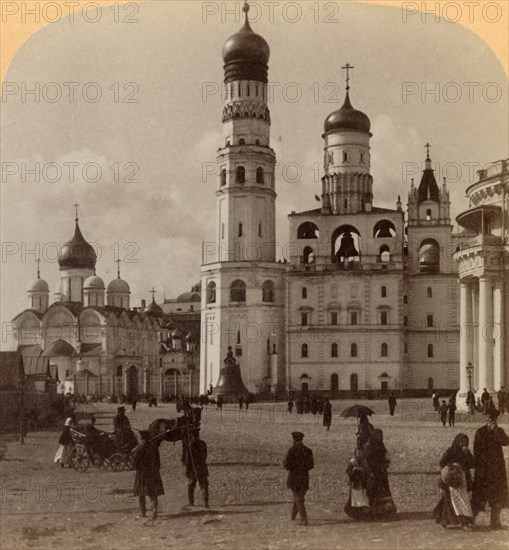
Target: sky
[126, 121]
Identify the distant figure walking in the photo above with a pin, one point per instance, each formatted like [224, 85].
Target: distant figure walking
[436, 401]
[148, 482]
[196, 468]
[485, 398]
[502, 399]
[327, 414]
[241, 402]
[63, 455]
[490, 476]
[298, 462]
[290, 406]
[455, 483]
[451, 412]
[392, 404]
[444, 408]
[133, 404]
[471, 402]
[219, 405]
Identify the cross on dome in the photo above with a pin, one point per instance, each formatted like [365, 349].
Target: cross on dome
[38, 262]
[347, 67]
[76, 208]
[118, 268]
[427, 150]
[153, 292]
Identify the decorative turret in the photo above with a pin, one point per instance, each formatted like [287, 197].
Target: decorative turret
[118, 291]
[38, 292]
[93, 291]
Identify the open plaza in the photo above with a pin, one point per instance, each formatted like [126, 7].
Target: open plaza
[45, 506]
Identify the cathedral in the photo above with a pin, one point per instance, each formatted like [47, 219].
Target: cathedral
[367, 301]
[96, 343]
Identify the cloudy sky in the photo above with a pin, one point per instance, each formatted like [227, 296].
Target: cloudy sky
[153, 132]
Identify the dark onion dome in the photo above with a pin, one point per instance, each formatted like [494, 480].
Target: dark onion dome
[347, 118]
[428, 188]
[154, 308]
[245, 55]
[77, 253]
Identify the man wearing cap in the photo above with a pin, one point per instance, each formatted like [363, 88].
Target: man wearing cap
[148, 482]
[196, 468]
[121, 427]
[298, 462]
[490, 477]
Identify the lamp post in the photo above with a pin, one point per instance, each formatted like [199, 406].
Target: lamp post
[470, 370]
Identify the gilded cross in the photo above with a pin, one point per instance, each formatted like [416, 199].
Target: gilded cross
[347, 67]
[427, 149]
[76, 208]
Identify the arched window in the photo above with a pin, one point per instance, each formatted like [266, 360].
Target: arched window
[405, 299]
[119, 370]
[240, 230]
[238, 291]
[430, 292]
[428, 215]
[223, 177]
[238, 337]
[334, 382]
[241, 174]
[308, 256]
[268, 293]
[242, 141]
[307, 230]
[429, 256]
[430, 350]
[430, 383]
[345, 157]
[304, 350]
[384, 292]
[334, 350]
[260, 233]
[211, 292]
[383, 350]
[384, 229]
[354, 382]
[257, 142]
[385, 254]
[259, 175]
[353, 350]
[304, 292]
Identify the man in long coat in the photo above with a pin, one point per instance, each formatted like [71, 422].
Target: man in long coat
[196, 468]
[490, 477]
[392, 404]
[327, 414]
[298, 462]
[121, 427]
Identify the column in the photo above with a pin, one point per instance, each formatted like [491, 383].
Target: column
[465, 334]
[485, 334]
[498, 335]
[475, 334]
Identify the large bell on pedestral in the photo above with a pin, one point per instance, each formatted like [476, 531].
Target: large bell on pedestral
[230, 386]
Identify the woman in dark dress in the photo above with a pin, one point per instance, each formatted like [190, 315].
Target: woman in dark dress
[327, 414]
[377, 461]
[63, 455]
[148, 480]
[454, 505]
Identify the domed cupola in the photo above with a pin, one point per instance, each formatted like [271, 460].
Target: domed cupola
[93, 291]
[118, 292]
[77, 253]
[347, 118]
[153, 308]
[246, 54]
[38, 292]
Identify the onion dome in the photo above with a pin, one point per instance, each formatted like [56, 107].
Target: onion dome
[93, 283]
[119, 286]
[347, 118]
[39, 285]
[246, 54]
[77, 253]
[154, 309]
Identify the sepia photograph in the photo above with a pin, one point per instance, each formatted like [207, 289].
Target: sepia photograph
[254, 287]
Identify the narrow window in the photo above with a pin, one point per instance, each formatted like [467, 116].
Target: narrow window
[345, 157]
[304, 319]
[429, 320]
[405, 349]
[384, 292]
[334, 350]
[353, 317]
[304, 350]
[428, 215]
[430, 292]
[222, 231]
[334, 318]
[353, 350]
[241, 174]
[430, 350]
[238, 337]
[240, 230]
[223, 177]
[259, 175]
[304, 292]
[384, 350]
[260, 230]
[405, 299]
[383, 317]
[242, 141]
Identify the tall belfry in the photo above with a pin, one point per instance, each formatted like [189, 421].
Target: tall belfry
[242, 302]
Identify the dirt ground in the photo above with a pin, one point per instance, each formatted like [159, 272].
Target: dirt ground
[45, 506]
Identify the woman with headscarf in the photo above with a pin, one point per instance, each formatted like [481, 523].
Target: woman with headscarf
[377, 461]
[454, 505]
[66, 443]
[357, 506]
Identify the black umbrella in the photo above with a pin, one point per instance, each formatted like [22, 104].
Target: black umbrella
[356, 411]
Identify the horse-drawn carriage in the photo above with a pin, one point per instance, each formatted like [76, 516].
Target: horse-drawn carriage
[101, 449]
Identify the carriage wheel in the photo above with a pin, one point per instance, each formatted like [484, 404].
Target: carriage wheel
[117, 462]
[100, 462]
[80, 460]
[129, 463]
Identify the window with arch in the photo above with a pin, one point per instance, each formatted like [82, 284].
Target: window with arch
[430, 292]
[304, 351]
[384, 229]
[334, 350]
[354, 382]
[429, 256]
[334, 382]
[405, 299]
[383, 292]
[304, 292]
[240, 230]
[384, 317]
[223, 177]
[428, 214]
[260, 175]
[308, 256]
[430, 350]
[257, 142]
[384, 254]
[242, 141]
[238, 337]
[345, 245]
[307, 230]
[238, 291]
[345, 157]
[268, 292]
[211, 292]
[241, 174]
[353, 350]
[384, 350]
